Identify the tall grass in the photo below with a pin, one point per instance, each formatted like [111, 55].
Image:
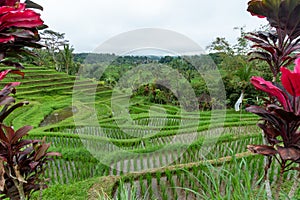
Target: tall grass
[224, 182]
[124, 193]
[239, 178]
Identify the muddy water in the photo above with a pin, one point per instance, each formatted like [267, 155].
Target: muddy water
[58, 116]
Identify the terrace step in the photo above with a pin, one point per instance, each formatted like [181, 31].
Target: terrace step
[63, 88]
[35, 77]
[43, 92]
[39, 81]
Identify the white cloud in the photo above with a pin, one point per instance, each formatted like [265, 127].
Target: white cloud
[87, 25]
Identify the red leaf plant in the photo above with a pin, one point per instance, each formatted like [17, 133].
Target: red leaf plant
[280, 119]
[276, 46]
[22, 162]
[280, 115]
[18, 31]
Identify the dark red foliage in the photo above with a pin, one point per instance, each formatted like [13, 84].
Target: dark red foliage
[284, 15]
[280, 116]
[281, 119]
[273, 91]
[291, 80]
[281, 113]
[23, 161]
[263, 149]
[18, 30]
[277, 45]
[8, 2]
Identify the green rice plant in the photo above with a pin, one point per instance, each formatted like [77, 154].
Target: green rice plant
[158, 177]
[135, 165]
[114, 169]
[148, 161]
[149, 184]
[164, 191]
[180, 177]
[172, 185]
[129, 164]
[121, 167]
[168, 174]
[225, 182]
[141, 158]
[142, 185]
[68, 171]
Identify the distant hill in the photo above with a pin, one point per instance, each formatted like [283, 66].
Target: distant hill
[92, 58]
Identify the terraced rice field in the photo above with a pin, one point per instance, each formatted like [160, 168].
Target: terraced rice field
[160, 151]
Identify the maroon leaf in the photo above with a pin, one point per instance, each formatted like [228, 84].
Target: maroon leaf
[8, 2]
[296, 168]
[262, 149]
[22, 144]
[254, 39]
[17, 71]
[33, 165]
[270, 133]
[14, 64]
[23, 33]
[41, 152]
[266, 115]
[20, 133]
[3, 136]
[11, 109]
[53, 154]
[6, 100]
[9, 88]
[9, 132]
[281, 14]
[286, 115]
[290, 153]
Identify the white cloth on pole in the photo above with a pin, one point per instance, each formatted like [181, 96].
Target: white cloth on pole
[238, 103]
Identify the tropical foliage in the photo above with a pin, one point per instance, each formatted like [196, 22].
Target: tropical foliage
[280, 113]
[22, 162]
[277, 45]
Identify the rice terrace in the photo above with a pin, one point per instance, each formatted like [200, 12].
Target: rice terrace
[148, 125]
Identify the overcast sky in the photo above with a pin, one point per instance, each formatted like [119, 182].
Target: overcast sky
[87, 24]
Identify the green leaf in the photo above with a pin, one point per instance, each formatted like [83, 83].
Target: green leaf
[30, 4]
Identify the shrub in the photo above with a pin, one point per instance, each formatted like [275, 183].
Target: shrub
[22, 162]
[280, 113]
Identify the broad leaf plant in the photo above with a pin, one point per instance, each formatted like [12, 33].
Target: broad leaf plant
[280, 115]
[22, 161]
[277, 45]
